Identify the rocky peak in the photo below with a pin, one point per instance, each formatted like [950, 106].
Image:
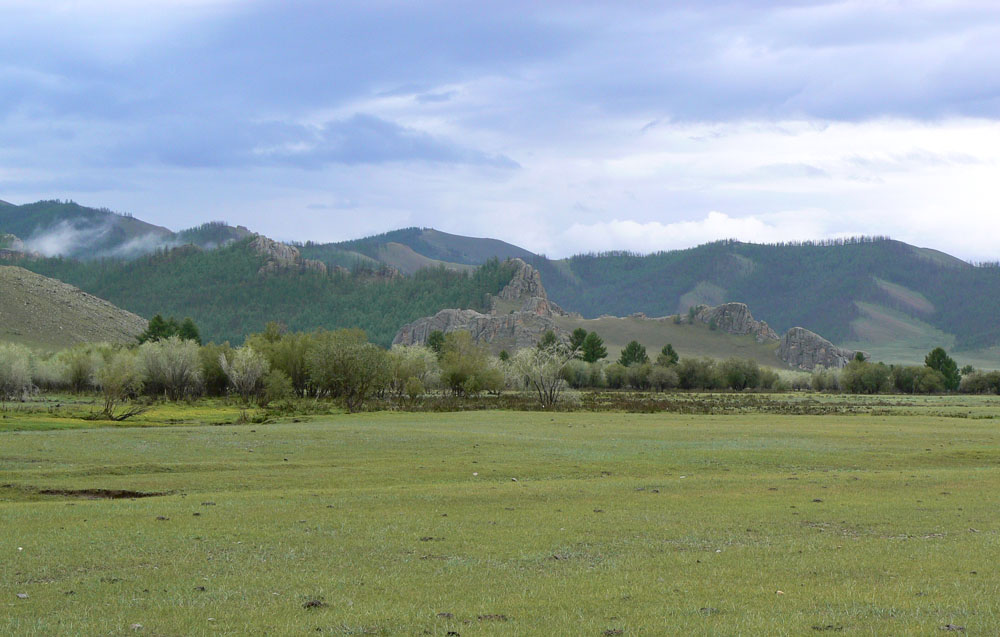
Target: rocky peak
[525, 284]
[519, 315]
[735, 318]
[282, 257]
[526, 290]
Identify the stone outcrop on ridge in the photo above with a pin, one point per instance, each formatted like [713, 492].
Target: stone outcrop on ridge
[735, 318]
[807, 350]
[522, 327]
[282, 257]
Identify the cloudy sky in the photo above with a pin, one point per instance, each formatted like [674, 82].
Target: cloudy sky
[561, 127]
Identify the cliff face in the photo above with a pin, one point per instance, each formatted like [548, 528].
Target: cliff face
[807, 350]
[521, 327]
[735, 318]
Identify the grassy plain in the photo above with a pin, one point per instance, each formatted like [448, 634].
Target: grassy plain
[881, 521]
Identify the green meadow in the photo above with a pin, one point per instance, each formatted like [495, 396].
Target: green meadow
[878, 522]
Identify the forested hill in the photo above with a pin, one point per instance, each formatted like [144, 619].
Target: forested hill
[65, 228]
[855, 290]
[228, 296]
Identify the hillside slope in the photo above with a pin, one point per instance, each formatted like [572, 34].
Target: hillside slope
[48, 314]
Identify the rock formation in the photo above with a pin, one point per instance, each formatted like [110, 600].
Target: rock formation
[521, 327]
[13, 249]
[282, 257]
[807, 350]
[735, 318]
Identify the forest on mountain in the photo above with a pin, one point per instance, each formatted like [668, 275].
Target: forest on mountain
[816, 285]
[227, 296]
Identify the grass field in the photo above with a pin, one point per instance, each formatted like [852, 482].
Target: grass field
[505, 523]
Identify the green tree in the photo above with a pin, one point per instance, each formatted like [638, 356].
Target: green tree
[634, 352]
[593, 348]
[576, 339]
[344, 365]
[668, 356]
[435, 341]
[548, 340]
[189, 331]
[939, 360]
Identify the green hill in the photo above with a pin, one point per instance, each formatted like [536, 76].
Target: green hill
[65, 228]
[228, 294]
[845, 290]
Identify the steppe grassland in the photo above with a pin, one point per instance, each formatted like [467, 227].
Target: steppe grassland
[393, 523]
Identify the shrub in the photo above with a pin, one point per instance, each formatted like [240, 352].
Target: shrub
[698, 373]
[79, 363]
[277, 386]
[663, 378]
[862, 377]
[616, 375]
[246, 372]
[15, 372]
[172, 366]
[120, 379]
[637, 375]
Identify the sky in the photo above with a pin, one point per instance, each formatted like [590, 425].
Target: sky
[562, 127]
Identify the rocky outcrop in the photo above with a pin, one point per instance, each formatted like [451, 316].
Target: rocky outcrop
[282, 257]
[735, 318]
[513, 329]
[526, 288]
[13, 249]
[507, 331]
[525, 284]
[807, 350]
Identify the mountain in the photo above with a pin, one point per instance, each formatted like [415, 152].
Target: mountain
[48, 314]
[886, 297]
[892, 299]
[64, 228]
[236, 289]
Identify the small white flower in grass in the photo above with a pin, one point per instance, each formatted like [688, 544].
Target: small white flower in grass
[475, 473]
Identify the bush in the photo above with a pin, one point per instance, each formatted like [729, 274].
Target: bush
[277, 386]
[15, 372]
[616, 375]
[826, 380]
[862, 377]
[79, 364]
[120, 379]
[246, 372]
[465, 368]
[576, 373]
[698, 373]
[740, 374]
[172, 366]
[662, 378]
[344, 365]
[980, 383]
[213, 377]
[917, 380]
[637, 375]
